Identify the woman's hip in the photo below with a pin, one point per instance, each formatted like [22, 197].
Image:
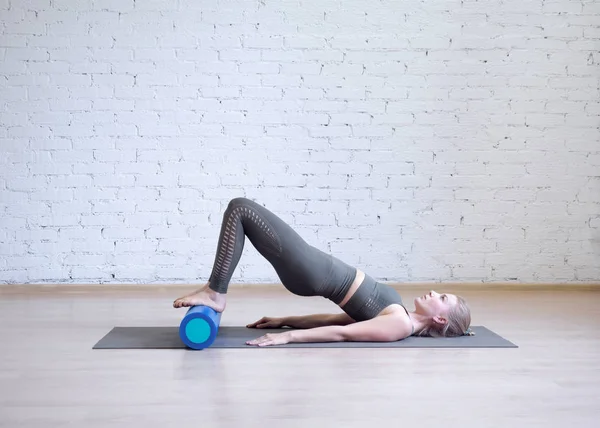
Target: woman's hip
[311, 272]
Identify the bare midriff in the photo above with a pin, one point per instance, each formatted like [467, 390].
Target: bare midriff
[358, 279]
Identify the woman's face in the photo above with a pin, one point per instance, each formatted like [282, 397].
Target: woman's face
[434, 304]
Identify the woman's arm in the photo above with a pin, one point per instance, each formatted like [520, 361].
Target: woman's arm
[305, 321]
[317, 320]
[385, 328]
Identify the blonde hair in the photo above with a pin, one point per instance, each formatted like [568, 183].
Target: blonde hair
[459, 320]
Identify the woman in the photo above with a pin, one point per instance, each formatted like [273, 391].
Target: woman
[373, 311]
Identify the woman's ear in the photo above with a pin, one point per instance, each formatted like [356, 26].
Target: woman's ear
[440, 320]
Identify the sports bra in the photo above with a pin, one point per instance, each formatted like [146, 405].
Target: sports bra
[370, 299]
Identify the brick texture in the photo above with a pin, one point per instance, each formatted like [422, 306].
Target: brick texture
[421, 141]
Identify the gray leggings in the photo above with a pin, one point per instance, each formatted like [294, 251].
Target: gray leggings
[303, 269]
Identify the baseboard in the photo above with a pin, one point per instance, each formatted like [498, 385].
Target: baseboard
[274, 287]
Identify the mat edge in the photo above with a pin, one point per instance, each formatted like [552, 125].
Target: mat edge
[508, 344]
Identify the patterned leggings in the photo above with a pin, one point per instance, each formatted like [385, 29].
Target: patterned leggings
[303, 269]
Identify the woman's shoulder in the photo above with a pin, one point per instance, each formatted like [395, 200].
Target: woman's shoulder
[402, 315]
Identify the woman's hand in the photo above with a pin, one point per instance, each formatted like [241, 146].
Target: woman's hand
[268, 322]
[271, 339]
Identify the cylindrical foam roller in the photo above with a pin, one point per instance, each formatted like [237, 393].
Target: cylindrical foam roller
[199, 327]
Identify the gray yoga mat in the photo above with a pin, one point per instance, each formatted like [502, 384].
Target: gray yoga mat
[236, 337]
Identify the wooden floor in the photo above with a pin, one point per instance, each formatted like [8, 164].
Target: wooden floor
[51, 377]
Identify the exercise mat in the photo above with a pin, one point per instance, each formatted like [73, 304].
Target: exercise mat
[236, 337]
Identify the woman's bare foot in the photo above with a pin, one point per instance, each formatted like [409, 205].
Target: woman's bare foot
[204, 296]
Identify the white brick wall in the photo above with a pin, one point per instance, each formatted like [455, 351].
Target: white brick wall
[443, 140]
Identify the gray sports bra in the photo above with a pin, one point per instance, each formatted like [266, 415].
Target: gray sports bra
[370, 299]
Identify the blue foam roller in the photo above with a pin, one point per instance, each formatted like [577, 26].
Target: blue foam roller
[199, 327]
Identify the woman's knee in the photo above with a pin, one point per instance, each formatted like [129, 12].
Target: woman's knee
[238, 202]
